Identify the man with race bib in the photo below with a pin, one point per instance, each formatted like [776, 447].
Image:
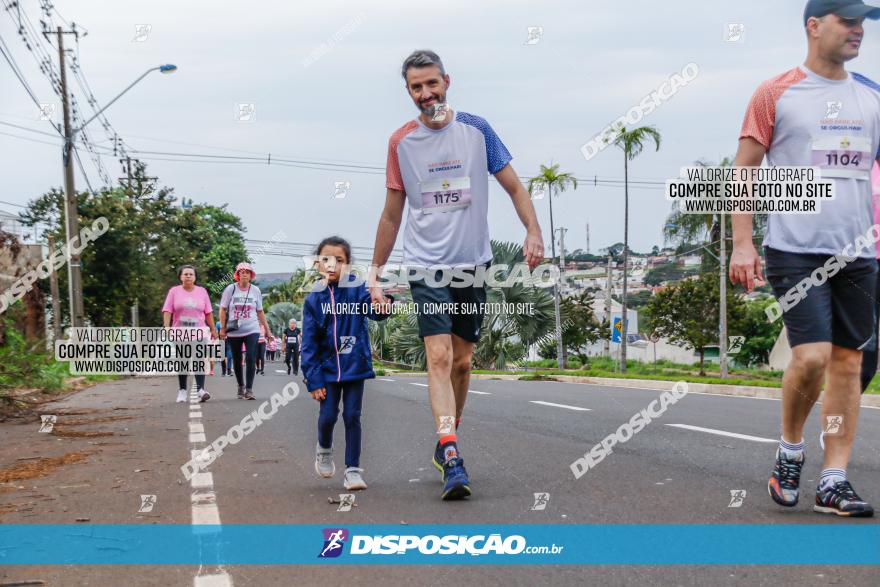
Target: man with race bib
[438, 167]
[819, 114]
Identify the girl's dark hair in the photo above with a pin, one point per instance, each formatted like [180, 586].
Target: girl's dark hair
[182, 267]
[335, 241]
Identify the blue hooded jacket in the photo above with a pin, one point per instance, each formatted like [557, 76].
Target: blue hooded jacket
[336, 344]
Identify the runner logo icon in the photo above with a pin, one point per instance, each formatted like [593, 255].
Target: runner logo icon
[346, 344]
[833, 108]
[334, 541]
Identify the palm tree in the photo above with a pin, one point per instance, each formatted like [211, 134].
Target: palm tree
[280, 313]
[551, 179]
[632, 143]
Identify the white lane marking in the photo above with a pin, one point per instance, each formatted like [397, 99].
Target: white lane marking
[202, 480]
[282, 371]
[203, 504]
[724, 433]
[576, 408]
[205, 514]
[221, 580]
[420, 384]
[386, 379]
[479, 392]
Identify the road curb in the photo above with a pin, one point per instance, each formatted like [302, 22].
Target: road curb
[714, 388]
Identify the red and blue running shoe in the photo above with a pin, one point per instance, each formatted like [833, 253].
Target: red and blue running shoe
[785, 480]
[456, 484]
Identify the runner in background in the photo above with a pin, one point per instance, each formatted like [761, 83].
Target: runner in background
[291, 338]
[188, 306]
[271, 347]
[241, 315]
[869, 357]
[261, 351]
[225, 358]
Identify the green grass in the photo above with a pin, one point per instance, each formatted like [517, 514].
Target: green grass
[28, 365]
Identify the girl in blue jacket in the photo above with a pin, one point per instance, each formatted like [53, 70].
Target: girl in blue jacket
[336, 356]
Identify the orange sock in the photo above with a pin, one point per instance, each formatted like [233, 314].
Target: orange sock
[448, 438]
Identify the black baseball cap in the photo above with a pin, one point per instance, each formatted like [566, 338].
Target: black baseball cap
[842, 8]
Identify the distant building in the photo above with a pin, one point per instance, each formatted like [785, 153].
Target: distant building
[12, 224]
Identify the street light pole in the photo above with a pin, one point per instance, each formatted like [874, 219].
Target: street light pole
[71, 216]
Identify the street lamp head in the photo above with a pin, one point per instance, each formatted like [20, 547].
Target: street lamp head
[167, 68]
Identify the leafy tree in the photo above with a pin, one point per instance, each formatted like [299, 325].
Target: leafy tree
[149, 237]
[760, 334]
[640, 299]
[688, 313]
[581, 326]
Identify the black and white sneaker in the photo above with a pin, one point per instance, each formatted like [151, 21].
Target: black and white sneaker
[841, 499]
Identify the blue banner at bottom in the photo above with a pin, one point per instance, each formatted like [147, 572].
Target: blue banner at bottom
[478, 544]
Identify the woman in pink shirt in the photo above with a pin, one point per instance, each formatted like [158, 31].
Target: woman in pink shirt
[869, 358]
[188, 306]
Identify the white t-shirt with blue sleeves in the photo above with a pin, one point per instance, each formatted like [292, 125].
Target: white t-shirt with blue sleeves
[445, 175]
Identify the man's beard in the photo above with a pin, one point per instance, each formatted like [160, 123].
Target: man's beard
[431, 111]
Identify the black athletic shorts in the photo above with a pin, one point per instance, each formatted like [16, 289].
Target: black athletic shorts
[437, 315]
[837, 309]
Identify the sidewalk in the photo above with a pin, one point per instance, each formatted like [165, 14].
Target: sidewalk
[872, 401]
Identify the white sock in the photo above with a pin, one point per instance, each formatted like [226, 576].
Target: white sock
[830, 477]
[791, 450]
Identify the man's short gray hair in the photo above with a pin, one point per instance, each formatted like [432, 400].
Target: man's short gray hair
[422, 58]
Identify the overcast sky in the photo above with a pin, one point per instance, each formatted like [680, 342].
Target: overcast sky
[593, 62]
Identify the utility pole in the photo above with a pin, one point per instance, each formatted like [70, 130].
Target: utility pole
[71, 225]
[53, 290]
[561, 347]
[608, 307]
[623, 312]
[134, 171]
[722, 327]
[588, 238]
[562, 232]
[558, 283]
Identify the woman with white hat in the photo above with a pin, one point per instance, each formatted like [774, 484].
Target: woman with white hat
[241, 315]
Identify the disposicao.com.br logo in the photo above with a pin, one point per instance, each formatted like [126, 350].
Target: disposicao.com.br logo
[450, 544]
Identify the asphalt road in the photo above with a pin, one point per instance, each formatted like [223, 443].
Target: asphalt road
[673, 471]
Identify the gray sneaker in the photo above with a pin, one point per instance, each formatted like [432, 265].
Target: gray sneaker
[241, 392]
[353, 479]
[324, 464]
